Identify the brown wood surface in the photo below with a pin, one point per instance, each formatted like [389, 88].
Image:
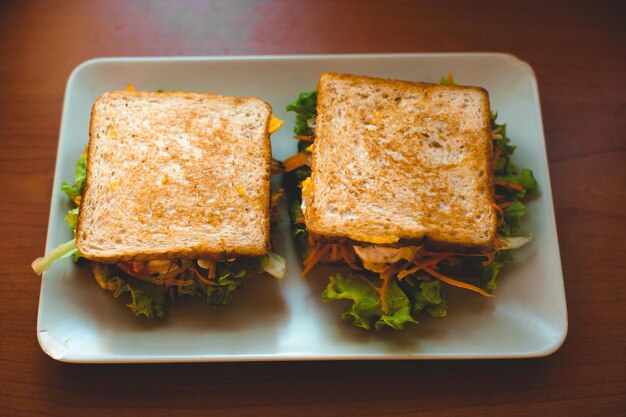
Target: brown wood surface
[578, 51]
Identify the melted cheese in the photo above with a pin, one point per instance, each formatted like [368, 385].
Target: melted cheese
[375, 239]
[275, 124]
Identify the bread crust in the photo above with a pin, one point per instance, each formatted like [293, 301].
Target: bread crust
[236, 163]
[386, 164]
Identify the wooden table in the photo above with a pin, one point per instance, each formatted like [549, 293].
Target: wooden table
[578, 51]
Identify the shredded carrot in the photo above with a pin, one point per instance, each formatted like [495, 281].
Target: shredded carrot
[496, 158]
[450, 79]
[305, 138]
[212, 267]
[456, 283]
[349, 258]
[313, 252]
[509, 185]
[312, 260]
[505, 204]
[334, 252]
[311, 239]
[402, 267]
[299, 220]
[420, 265]
[296, 161]
[385, 276]
[499, 196]
[201, 278]
[489, 255]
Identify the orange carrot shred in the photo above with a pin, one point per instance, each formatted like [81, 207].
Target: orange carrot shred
[295, 161]
[349, 258]
[299, 220]
[212, 267]
[496, 158]
[421, 265]
[505, 204]
[313, 252]
[456, 283]
[201, 278]
[314, 260]
[509, 185]
[385, 276]
[333, 252]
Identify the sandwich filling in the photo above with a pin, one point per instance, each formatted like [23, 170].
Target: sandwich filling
[153, 284]
[389, 283]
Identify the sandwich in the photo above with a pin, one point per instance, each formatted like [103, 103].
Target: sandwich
[173, 197]
[407, 185]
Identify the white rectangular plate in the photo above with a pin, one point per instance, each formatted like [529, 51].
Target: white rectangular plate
[287, 320]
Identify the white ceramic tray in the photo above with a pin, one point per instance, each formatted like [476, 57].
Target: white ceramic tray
[287, 320]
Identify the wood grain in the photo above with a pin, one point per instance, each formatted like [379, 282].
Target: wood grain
[578, 52]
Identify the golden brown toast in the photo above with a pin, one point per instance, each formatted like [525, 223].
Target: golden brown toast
[176, 176]
[398, 163]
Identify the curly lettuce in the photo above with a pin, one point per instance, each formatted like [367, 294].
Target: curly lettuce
[305, 107]
[145, 299]
[505, 171]
[366, 306]
[76, 189]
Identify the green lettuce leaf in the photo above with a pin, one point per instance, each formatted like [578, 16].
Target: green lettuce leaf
[73, 191]
[305, 108]
[298, 230]
[76, 189]
[72, 218]
[145, 299]
[512, 216]
[425, 293]
[507, 172]
[525, 178]
[366, 304]
[230, 277]
[489, 273]
[444, 81]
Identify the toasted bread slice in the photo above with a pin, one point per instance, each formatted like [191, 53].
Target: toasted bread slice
[176, 176]
[398, 163]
